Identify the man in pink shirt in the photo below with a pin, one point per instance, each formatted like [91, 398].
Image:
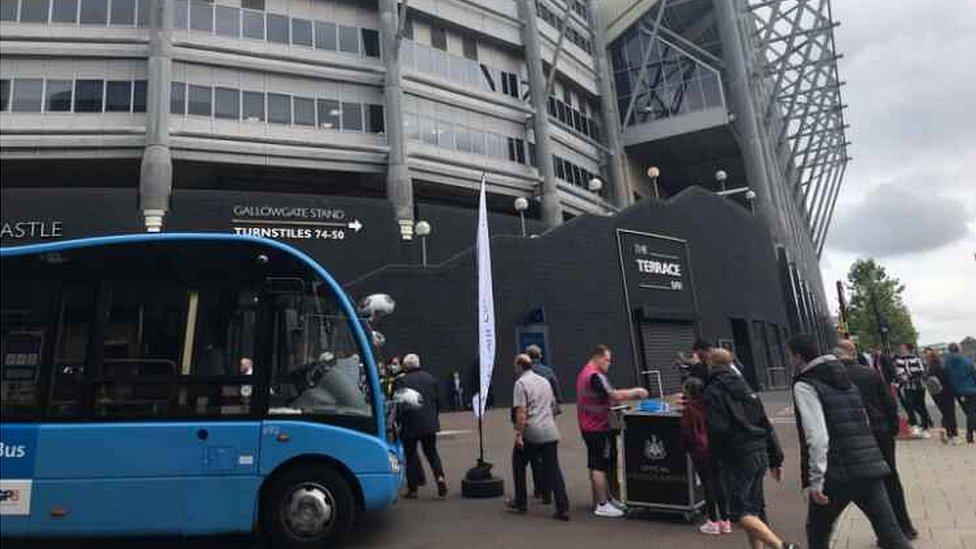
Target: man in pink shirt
[594, 397]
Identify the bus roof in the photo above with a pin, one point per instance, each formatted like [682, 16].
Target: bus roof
[344, 301]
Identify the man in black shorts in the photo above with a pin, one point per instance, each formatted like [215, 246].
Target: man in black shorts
[594, 396]
[741, 436]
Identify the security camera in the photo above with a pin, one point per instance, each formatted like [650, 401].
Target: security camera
[376, 305]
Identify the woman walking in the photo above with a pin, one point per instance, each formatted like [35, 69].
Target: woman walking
[940, 387]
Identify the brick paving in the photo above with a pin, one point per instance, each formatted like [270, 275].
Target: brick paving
[940, 489]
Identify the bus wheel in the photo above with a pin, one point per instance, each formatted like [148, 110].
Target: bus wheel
[308, 506]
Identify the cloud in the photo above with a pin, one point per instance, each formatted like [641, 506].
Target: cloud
[892, 221]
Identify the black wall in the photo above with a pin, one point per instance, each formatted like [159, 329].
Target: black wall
[572, 272]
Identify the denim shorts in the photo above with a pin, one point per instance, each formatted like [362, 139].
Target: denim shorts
[744, 479]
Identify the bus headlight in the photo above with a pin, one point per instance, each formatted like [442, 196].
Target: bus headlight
[394, 464]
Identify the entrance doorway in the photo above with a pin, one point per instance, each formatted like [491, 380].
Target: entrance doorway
[743, 349]
[660, 344]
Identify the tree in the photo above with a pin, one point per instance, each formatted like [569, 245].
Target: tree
[876, 303]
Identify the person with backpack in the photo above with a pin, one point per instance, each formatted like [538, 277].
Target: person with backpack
[910, 376]
[741, 436]
[962, 379]
[938, 385]
[694, 434]
[840, 461]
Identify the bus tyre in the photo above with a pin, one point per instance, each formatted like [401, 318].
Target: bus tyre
[308, 506]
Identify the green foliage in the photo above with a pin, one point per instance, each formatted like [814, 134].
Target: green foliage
[875, 299]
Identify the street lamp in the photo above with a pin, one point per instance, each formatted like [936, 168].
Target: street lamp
[422, 229]
[521, 204]
[750, 195]
[594, 185]
[721, 176]
[653, 172]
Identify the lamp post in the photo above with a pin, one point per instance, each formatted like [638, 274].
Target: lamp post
[422, 229]
[751, 197]
[595, 185]
[721, 176]
[521, 204]
[653, 172]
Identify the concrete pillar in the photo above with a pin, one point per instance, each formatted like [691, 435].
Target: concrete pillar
[156, 174]
[746, 123]
[552, 211]
[399, 186]
[608, 110]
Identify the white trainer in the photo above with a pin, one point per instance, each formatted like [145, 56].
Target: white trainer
[915, 431]
[710, 528]
[607, 510]
[926, 434]
[618, 504]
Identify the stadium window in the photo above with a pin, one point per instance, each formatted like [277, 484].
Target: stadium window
[252, 106]
[304, 111]
[301, 32]
[325, 35]
[94, 12]
[88, 95]
[4, 94]
[58, 96]
[328, 114]
[252, 24]
[228, 21]
[181, 13]
[253, 4]
[118, 96]
[142, 13]
[34, 11]
[199, 100]
[470, 46]
[279, 108]
[488, 77]
[277, 30]
[177, 98]
[438, 37]
[227, 103]
[139, 96]
[201, 15]
[123, 13]
[64, 11]
[8, 10]
[513, 85]
[371, 43]
[348, 39]
[374, 119]
[352, 116]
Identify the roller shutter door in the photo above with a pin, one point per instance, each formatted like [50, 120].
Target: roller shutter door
[661, 342]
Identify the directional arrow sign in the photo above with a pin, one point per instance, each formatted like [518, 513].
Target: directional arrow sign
[355, 225]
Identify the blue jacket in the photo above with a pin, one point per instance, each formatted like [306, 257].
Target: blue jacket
[961, 374]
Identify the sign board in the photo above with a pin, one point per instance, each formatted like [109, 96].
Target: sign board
[657, 471]
[656, 273]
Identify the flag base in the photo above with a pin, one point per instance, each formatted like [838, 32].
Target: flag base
[479, 483]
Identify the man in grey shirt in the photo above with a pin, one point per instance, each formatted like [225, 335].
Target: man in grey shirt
[536, 437]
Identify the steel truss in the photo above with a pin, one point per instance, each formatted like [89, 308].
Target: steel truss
[795, 68]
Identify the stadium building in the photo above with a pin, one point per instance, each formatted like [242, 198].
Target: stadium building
[658, 170]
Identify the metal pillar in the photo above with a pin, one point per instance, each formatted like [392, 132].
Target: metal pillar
[399, 186]
[745, 124]
[552, 212]
[156, 173]
[608, 111]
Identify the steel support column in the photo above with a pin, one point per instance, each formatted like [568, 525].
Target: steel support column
[745, 124]
[552, 212]
[399, 186]
[156, 172]
[608, 111]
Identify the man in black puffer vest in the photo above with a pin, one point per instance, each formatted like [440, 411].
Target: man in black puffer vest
[840, 461]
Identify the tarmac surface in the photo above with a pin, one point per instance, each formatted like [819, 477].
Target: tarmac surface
[944, 509]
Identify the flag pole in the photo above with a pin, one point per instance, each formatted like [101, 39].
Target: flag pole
[481, 435]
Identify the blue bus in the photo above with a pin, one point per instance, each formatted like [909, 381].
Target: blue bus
[186, 384]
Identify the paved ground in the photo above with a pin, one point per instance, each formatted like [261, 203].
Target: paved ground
[941, 507]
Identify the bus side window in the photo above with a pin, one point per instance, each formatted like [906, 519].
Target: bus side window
[45, 330]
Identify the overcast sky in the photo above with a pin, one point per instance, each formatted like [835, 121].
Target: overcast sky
[909, 195]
